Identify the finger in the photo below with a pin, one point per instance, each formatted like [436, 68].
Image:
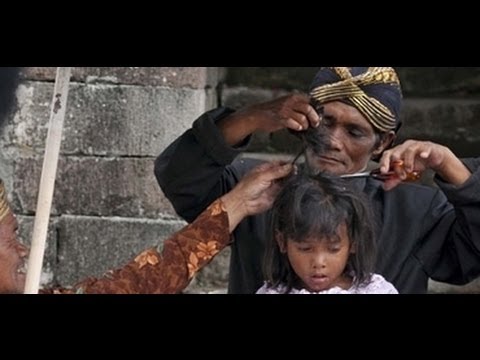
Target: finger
[293, 124]
[398, 167]
[409, 159]
[426, 153]
[385, 163]
[311, 115]
[267, 165]
[277, 172]
[300, 118]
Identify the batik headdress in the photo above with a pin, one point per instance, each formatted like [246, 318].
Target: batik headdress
[374, 91]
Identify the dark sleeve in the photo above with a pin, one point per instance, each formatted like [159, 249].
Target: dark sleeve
[195, 170]
[454, 241]
[167, 270]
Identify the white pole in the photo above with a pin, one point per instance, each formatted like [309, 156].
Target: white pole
[47, 181]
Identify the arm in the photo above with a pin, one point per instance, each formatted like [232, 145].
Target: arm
[452, 252]
[450, 247]
[170, 269]
[197, 168]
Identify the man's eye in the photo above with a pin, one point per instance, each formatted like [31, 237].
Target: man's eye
[356, 133]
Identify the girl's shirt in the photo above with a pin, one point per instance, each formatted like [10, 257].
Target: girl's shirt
[377, 285]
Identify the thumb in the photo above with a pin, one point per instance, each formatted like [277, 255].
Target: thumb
[278, 172]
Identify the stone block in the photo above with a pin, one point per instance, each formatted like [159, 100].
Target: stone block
[90, 246]
[25, 233]
[106, 120]
[453, 123]
[176, 77]
[94, 186]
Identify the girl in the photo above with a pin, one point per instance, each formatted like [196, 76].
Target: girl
[322, 241]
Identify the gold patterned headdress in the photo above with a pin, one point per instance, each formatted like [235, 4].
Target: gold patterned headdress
[374, 91]
[4, 205]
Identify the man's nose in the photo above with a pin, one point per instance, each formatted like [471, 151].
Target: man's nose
[336, 139]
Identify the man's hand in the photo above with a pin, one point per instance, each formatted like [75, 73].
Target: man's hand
[289, 112]
[419, 156]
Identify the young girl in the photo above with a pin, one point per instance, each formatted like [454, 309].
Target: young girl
[323, 241]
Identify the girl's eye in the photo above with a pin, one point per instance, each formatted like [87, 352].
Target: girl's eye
[304, 248]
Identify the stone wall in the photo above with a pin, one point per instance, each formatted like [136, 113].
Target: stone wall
[107, 205]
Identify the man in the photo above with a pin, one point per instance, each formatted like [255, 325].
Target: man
[423, 232]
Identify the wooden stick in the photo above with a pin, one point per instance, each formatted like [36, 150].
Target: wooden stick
[47, 181]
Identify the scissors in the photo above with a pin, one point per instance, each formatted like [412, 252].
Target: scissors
[376, 174]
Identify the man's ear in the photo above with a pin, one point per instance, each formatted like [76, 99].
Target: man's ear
[281, 242]
[385, 143]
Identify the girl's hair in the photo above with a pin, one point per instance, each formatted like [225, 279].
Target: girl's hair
[316, 206]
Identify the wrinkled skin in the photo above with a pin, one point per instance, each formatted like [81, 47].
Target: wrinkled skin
[13, 256]
[351, 141]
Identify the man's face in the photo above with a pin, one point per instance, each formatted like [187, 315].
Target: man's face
[12, 257]
[351, 141]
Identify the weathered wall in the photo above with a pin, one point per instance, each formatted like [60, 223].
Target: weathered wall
[107, 205]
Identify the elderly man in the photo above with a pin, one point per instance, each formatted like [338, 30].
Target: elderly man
[423, 232]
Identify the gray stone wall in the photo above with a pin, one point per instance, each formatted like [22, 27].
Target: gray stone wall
[107, 205]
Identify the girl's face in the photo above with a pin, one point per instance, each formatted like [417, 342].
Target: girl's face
[12, 257]
[319, 262]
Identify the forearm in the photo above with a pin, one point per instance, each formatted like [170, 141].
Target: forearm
[236, 128]
[235, 208]
[168, 270]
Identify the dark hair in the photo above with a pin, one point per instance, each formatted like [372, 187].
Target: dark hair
[9, 79]
[317, 205]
